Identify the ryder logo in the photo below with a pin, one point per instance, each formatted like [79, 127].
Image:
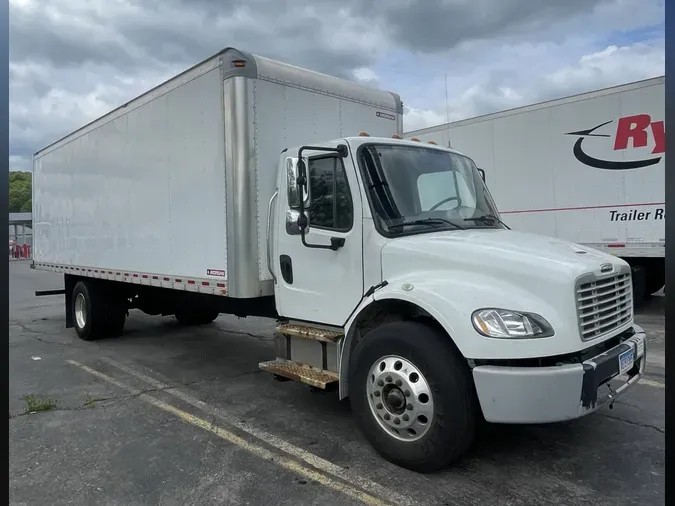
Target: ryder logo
[631, 132]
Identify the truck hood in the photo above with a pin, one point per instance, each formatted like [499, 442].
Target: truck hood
[494, 252]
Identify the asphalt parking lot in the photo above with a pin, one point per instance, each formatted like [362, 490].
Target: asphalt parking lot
[165, 415]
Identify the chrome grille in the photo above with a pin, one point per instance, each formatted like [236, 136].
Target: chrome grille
[604, 305]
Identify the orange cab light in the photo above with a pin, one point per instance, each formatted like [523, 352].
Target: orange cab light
[414, 139]
[396, 136]
[364, 134]
[433, 142]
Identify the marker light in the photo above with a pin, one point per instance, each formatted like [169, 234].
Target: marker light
[414, 139]
[364, 134]
[396, 136]
[434, 143]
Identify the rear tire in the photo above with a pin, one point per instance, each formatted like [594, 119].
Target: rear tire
[439, 405]
[639, 276]
[95, 315]
[655, 278]
[190, 317]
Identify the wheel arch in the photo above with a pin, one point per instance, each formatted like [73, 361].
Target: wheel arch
[390, 307]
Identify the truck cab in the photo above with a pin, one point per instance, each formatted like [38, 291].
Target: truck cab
[396, 279]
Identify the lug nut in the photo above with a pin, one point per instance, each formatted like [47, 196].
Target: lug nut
[379, 405]
[406, 393]
[405, 417]
[399, 383]
[380, 383]
[376, 393]
[386, 416]
[388, 378]
[397, 421]
[408, 407]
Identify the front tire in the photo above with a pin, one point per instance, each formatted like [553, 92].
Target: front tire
[412, 395]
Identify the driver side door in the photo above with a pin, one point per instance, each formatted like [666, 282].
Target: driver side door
[320, 285]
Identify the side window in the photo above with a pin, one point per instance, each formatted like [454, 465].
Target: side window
[331, 205]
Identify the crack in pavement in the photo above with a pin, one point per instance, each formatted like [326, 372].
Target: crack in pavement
[92, 403]
[250, 334]
[25, 328]
[631, 422]
[36, 334]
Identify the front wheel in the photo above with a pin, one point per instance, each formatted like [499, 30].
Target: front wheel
[412, 396]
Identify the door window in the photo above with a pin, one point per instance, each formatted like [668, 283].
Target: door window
[331, 200]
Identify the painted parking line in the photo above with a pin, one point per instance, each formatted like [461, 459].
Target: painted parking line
[651, 383]
[280, 460]
[313, 460]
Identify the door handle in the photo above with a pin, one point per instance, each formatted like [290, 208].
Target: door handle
[336, 243]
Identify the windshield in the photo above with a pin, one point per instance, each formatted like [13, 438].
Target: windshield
[418, 189]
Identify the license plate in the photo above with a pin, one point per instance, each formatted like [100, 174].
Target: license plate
[626, 360]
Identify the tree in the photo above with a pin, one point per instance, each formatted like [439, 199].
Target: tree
[20, 192]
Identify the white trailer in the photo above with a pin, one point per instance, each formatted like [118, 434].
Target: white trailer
[384, 261]
[588, 168]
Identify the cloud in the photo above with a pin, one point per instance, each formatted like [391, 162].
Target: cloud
[495, 91]
[74, 60]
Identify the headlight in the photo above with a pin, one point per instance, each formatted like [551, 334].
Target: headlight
[507, 324]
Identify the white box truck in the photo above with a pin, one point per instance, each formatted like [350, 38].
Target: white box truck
[244, 186]
[588, 168]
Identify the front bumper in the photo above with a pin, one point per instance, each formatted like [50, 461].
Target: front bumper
[564, 392]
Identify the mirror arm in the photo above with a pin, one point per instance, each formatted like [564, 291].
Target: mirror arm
[301, 182]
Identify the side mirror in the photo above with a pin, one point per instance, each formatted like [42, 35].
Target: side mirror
[292, 174]
[482, 174]
[293, 221]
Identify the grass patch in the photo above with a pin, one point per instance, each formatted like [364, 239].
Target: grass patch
[36, 404]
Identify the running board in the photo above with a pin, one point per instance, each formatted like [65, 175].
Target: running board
[299, 372]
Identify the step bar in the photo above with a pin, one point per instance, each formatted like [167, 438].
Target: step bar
[300, 372]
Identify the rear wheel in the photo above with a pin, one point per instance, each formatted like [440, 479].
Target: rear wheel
[656, 277]
[412, 396]
[190, 317]
[639, 276]
[95, 313]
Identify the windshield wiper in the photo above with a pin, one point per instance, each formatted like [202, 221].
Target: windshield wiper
[488, 219]
[429, 221]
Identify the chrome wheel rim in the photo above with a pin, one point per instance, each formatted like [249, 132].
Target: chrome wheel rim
[80, 311]
[400, 398]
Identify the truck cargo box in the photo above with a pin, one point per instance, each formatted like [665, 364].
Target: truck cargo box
[172, 188]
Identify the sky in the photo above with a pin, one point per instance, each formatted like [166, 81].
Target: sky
[72, 61]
